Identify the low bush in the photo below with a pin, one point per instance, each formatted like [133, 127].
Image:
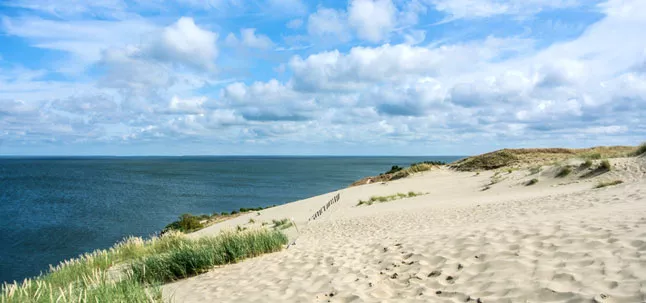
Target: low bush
[641, 149]
[564, 172]
[608, 183]
[535, 170]
[586, 164]
[394, 169]
[605, 165]
[185, 223]
[531, 182]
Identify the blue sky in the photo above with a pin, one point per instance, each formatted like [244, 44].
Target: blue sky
[358, 77]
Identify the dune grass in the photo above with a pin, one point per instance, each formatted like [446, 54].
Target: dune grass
[282, 224]
[605, 165]
[203, 254]
[641, 149]
[89, 278]
[564, 172]
[608, 183]
[531, 182]
[381, 199]
[586, 164]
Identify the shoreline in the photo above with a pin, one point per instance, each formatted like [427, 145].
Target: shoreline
[381, 239]
[455, 242]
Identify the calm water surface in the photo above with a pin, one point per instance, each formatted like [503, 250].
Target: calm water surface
[57, 208]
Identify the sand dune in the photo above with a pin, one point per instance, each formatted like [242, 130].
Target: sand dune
[559, 240]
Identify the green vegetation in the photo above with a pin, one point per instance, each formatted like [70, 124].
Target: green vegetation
[186, 223]
[189, 223]
[533, 156]
[282, 224]
[586, 164]
[86, 279]
[437, 163]
[608, 183]
[397, 196]
[531, 182]
[641, 149]
[590, 156]
[203, 254]
[394, 169]
[564, 172]
[486, 161]
[605, 165]
[535, 170]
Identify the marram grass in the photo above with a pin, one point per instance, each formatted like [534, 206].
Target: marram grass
[90, 278]
[204, 254]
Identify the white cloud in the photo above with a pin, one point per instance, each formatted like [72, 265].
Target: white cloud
[249, 38]
[328, 22]
[184, 42]
[487, 8]
[372, 19]
[188, 106]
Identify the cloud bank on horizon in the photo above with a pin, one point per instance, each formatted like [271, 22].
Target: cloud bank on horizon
[294, 77]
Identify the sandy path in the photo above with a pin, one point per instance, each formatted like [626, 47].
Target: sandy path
[549, 243]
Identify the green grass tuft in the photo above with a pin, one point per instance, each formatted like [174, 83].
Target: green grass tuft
[202, 255]
[608, 183]
[641, 149]
[586, 164]
[605, 165]
[531, 182]
[564, 172]
[382, 199]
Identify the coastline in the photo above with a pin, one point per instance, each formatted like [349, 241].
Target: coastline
[553, 240]
[437, 235]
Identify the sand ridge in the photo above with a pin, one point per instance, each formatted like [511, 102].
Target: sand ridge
[556, 241]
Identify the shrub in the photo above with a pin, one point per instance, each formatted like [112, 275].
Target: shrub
[592, 156]
[586, 164]
[608, 183]
[394, 169]
[564, 172]
[186, 223]
[535, 170]
[531, 182]
[640, 150]
[605, 165]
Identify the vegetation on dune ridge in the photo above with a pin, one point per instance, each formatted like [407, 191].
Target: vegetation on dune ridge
[398, 172]
[189, 223]
[380, 199]
[90, 277]
[641, 149]
[537, 156]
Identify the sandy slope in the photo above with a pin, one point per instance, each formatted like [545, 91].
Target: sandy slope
[556, 241]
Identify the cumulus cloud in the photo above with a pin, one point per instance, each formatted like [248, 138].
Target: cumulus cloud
[183, 42]
[372, 19]
[249, 38]
[385, 87]
[327, 21]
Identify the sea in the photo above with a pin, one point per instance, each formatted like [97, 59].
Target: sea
[56, 208]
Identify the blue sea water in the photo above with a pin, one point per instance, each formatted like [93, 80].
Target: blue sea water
[57, 208]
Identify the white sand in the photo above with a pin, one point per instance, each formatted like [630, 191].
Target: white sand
[556, 241]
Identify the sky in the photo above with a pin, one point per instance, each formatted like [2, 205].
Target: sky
[295, 77]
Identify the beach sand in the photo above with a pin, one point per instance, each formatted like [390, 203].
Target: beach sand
[559, 240]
